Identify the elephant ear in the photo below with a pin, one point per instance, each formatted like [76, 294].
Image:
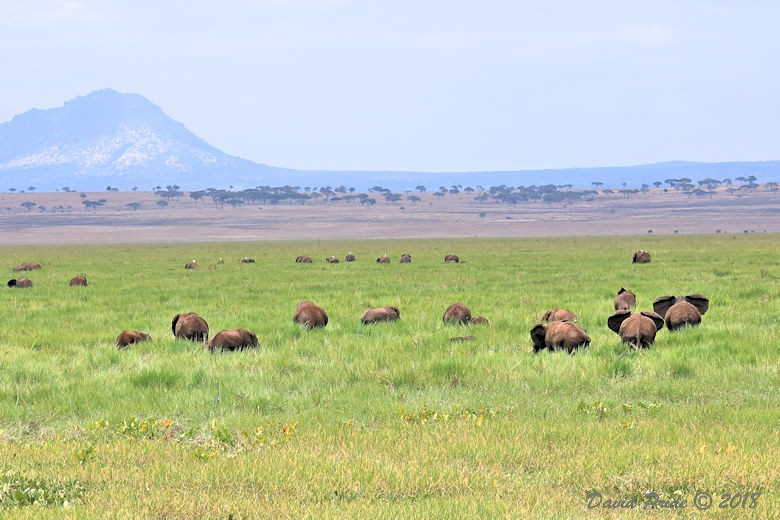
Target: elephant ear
[396, 311]
[621, 291]
[701, 303]
[657, 319]
[662, 304]
[537, 335]
[616, 320]
[548, 315]
[174, 322]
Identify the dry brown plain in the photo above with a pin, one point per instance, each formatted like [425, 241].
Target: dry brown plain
[187, 220]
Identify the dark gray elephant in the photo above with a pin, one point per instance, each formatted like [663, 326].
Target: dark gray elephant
[233, 339]
[190, 326]
[641, 257]
[682, 310]
[377, 314]
[625, 299]
[19, 283]
[310, 315]
[636, 329]
[457, 313]
[563, 335]
[559, 315]
[79, 280]
[128, 337]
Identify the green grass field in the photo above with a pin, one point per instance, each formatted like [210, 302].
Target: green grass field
[391, 420]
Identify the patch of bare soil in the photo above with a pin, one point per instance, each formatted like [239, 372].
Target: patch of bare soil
[60, 218]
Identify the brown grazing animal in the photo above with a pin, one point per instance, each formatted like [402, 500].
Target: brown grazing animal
[19, 283]
[563, 335]
[451, 259]
[26, 266]
[681, 311]
[383, 260]
[625, 299]
[190, 326]
[234, 339]
[641, 257]
[349, 258]
[128, 337]
[636, 329]
[332, 260]
[303, 260]
[377, 314]
[79, 280]
[310, 315]
[559, 315]
[406, 258]
[191, 265]
[457, 313]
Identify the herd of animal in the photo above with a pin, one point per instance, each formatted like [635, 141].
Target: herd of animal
[558, 329]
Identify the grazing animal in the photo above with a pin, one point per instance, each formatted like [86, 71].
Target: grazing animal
[310, 315]
[383, 260]
[480, 320]
[451, 259]
[559, 315]
[625, 299]
[636, 329]
[641, 257]
[457, 313]
[192, 265]
[303, 260]
[26, 266]
[19, 283]
[79, 280]
[350, 257]
[190, 326]
[332, 260]
[247, 260]
[128, 337]
[234, 339]
[681, 311]
[406, 258]
[563, 335]
[377, 314]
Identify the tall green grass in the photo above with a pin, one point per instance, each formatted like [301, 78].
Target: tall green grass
[392, 419]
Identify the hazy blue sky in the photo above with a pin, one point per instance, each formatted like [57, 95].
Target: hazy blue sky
[419, 84]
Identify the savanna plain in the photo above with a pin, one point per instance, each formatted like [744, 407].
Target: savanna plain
[392, 420]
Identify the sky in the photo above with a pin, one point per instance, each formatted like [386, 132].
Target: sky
[423, 85]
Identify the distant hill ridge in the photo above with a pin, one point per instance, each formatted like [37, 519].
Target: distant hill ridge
[124, 140]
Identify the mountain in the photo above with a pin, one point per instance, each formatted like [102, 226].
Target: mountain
[111, 138]
[107, 138]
